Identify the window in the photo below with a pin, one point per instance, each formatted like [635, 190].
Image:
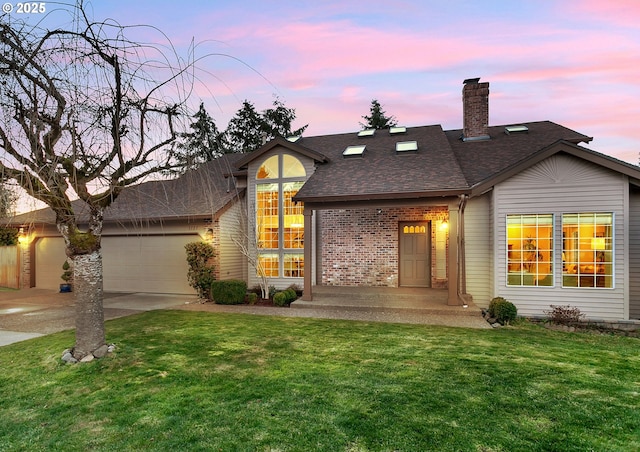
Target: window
[279, 220]
[530, 250]
[587, 250]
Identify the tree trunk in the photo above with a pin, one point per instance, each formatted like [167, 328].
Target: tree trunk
[87, 286]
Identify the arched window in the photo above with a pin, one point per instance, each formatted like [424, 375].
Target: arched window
[280, 221]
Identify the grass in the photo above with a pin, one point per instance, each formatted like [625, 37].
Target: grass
[200, 381]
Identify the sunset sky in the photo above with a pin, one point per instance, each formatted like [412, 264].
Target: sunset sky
[574, 62]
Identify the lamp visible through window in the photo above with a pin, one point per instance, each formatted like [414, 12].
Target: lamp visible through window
[598, 244]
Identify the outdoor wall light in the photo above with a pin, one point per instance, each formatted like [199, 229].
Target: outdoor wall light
[23, 239]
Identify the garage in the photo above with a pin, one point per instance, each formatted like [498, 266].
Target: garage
[152, 263]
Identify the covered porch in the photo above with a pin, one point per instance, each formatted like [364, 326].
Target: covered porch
[362, 248]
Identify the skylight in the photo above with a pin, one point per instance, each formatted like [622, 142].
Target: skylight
[354, 151]
[516, 129]
[366, 133]
[406, 146]
[395, 130]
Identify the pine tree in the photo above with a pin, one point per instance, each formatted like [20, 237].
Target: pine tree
[249, 129]
[378, 118]
[203, 144]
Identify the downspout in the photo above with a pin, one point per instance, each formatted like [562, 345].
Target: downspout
[462, 267]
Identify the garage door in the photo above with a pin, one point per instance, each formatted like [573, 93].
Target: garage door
[50, 256]
[155, 264]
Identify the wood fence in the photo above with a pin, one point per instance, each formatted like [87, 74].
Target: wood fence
[10, 267]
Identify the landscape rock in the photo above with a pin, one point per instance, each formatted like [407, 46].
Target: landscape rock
[88, 358]
[101, 352]
[68, 358]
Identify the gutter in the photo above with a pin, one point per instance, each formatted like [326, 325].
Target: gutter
[462, 264]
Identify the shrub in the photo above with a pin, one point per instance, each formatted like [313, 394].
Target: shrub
[200, 274]
[272, 291]
[67, 273]
[231, 291]
[564, 315]
[502, 310]
[296, 288]
[280, 299]
[252, 298]
[8, 236]
[291, 295]
[492, 306]
[506, 312]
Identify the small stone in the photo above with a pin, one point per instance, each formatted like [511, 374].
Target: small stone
[496, 325]
[101, 352]
[68, 358]
[111, 348]
[88, 358]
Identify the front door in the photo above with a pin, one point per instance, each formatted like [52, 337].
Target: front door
[415, 254]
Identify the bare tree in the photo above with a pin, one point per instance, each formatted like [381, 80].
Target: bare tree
[84, 113]
[246, 238]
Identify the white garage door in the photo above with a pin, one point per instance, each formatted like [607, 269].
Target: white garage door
[155, 264]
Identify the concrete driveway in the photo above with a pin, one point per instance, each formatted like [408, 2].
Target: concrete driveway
[29, 313]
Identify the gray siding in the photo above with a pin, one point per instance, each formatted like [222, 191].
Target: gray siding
[478, 245]
[564, 184]
[634, 254]
[232, 261]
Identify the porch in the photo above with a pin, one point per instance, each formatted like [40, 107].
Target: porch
[422, 301]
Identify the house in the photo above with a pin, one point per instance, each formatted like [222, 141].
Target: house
[522, 211]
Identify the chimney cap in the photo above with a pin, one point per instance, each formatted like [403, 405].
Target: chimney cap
[471, 81]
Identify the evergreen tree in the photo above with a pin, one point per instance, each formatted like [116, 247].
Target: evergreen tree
[378, 118]
[278, 120]
[203, 144]
[249, 129]
[245, 130]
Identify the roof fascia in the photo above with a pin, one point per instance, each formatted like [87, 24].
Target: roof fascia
[382, 204]
[555, 148]
[396, 198]
[279, 141]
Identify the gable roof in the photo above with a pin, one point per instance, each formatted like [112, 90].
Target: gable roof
[381, 173]
[279, 141]
[443, 165]
[482, 160]
[199, 193]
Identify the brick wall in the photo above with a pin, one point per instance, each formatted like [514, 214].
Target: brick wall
[360, 246]
[475, 99]
[25, 267]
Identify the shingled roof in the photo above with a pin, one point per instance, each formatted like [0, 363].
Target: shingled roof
[381, 172]
[443, 165]
[196, 194]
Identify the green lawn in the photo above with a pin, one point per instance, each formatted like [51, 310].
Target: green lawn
[201, 381]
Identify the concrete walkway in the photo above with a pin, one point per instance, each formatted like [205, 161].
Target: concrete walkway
[29, 313]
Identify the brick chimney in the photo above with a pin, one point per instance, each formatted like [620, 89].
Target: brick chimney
[475, 104]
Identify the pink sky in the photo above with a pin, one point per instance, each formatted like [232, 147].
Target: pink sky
[575, 62]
